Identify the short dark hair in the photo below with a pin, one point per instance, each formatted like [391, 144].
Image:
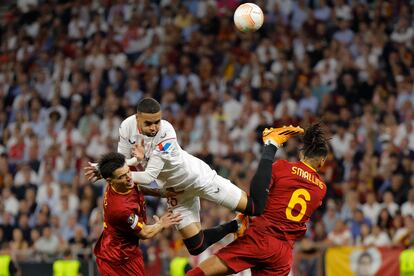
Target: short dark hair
[110, 162]
[315, 142]
[148, 105]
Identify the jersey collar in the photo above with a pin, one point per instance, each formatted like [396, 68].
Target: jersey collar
[309, 166]
[121, 193]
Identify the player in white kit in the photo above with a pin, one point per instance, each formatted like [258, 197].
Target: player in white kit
[150, 143]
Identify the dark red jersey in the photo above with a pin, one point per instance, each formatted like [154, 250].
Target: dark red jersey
[296, 191]
[124, 215]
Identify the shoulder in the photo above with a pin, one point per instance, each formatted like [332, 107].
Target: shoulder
[128, 122]
[118, 212]
[280, 163]
[166, 131]
[166, 126]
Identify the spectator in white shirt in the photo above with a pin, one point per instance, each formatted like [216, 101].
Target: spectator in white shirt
[340, 235]
[378, 237]
[286, 105]
[388, 202]
[402, 233]
[48, 192]
[11, 204]
[48, 243]
[371, 208]
[341, 140]
[407, 208]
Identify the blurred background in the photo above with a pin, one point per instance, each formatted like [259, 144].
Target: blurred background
[71, 71]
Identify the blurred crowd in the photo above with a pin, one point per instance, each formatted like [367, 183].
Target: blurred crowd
[71, 71]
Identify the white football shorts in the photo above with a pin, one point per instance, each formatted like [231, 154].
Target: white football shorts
[220, 190]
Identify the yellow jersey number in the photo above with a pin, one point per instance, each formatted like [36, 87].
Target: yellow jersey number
[299, 196]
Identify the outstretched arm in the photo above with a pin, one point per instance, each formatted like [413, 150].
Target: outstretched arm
[157, 192]
[167, 220]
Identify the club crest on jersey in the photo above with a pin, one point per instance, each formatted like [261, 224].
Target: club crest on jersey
[133, 220]
[164, 148]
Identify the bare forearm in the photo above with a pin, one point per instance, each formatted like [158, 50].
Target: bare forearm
[152, 192]
[150, 231]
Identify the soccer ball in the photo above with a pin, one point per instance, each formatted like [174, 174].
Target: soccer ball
[248, 17]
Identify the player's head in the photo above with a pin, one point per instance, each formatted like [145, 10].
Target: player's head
[315, 148]
[114, 169]
[148, 116]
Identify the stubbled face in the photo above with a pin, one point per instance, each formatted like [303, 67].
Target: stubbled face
[122, 178]
[149, 123]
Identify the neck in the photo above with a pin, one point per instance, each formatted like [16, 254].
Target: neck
[120, 188]
[310, 162]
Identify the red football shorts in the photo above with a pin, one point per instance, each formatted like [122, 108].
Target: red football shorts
[132, 268]
[263, 254]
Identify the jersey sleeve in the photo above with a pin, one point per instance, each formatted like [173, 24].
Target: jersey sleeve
[153, 169]
[167, 146]
[135, 222]
[127, 221]
[124, 147]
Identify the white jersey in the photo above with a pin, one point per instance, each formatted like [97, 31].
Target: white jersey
[165, 161]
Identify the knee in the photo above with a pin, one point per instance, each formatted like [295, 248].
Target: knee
[195, 245]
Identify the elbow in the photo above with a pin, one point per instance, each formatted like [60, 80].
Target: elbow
[258, 211]
[255, 207]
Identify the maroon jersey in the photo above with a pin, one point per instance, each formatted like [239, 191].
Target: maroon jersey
[124, 215]
[296, 191]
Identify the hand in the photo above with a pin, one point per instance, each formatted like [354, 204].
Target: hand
[170, 193]
[168, 219]
[92, 173]
[138, 151]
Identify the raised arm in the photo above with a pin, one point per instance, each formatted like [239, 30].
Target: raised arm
[153, 169]
[124, 146]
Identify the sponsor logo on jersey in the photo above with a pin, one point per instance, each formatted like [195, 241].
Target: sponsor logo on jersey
[165, 147]
[131, 142]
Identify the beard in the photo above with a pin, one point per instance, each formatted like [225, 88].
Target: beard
[150, 134]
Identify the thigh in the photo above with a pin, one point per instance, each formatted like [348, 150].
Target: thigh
[215, 266]
[279, 262]
[188, 205]
[223, 192]
[242, 253]
[265, 255]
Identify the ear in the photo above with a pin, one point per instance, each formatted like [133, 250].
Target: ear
[322, 162]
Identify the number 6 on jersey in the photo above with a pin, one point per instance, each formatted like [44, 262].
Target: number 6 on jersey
[299, 196]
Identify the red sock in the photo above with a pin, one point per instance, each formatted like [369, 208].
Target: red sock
[195, 272]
